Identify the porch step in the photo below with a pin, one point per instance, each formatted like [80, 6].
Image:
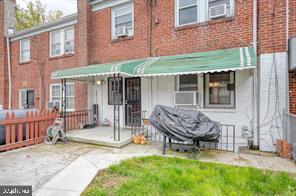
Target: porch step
[102, 136]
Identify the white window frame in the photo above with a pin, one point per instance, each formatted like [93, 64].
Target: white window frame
[177, 9]
[207, 96]
[20, 97]
[21, 51]
[178, 83]
[129, 4]
[202, 12]
[72, 40]
[60, 85]
[62, 41]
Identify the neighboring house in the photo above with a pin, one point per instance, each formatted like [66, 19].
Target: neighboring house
[292, 35]
[216, 41]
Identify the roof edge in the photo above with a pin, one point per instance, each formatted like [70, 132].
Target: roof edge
[48, 26]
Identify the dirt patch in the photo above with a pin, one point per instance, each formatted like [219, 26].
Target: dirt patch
[107, 180]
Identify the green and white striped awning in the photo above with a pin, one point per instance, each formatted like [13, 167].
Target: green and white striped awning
[201, 62]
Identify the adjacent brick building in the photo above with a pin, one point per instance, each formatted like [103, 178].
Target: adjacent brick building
[156, 31]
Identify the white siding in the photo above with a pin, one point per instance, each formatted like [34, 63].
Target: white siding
[271, 121]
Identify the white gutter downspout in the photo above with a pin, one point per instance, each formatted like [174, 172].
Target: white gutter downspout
[287, 60]
[256, 81]
[9, 72]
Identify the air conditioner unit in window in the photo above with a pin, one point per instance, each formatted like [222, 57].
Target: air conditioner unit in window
[121, 31]
[186, 98]
[53, 105]
[217, 11]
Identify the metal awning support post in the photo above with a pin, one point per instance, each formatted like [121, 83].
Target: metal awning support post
[117, 99]
[64, 103]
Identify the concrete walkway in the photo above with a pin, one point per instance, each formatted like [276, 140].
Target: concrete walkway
[68, 169]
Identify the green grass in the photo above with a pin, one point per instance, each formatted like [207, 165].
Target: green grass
[173, 176]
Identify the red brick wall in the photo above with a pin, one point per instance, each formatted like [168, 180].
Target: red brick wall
[271, 26]
[217, 34]
[166, 39]
[103, 49]
[28, 75]
[2, 51]
[292, 18]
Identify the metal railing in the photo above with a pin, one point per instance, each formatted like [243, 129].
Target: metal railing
[290, 127]
[142, 127]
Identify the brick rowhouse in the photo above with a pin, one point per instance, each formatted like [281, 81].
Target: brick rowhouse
[155, 34]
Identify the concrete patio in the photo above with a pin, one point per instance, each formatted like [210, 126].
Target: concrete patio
[68, 169]
[103, 136]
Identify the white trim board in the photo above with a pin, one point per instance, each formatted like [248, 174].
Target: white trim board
[46, 27]
[102, 4]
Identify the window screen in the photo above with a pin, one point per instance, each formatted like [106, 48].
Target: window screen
[188, 82]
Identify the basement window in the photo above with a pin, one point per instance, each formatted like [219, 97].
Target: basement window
[26, 99]
[62, 42]
[25, 53]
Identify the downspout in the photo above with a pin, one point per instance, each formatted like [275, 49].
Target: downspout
[9, 72]
[256, 78]
[287, 60]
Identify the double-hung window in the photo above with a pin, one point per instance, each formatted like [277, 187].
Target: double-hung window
[62, 41]
[26, 99]
[188, 82]
[56, 95]
[220, 90]
[195, 11]
[69, 40]
[123, 20]
[25, 53]
[186, 12]
[56, 43]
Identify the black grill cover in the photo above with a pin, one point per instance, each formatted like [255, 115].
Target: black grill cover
[184, 125]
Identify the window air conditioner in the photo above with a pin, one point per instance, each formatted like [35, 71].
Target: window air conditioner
[217, 11]
[292, 53]
[53, 105]
[121, 31]
[186, 98]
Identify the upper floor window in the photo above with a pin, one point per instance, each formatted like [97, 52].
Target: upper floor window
[194, 11]
[187, 12]
[25, 53]
[62, 41]
[123, 20]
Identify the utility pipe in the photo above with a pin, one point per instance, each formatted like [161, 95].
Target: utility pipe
[256, 78]
[9, 72]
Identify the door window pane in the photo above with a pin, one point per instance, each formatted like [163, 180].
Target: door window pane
[115, 92]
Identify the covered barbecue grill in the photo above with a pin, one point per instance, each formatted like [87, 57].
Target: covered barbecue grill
[184, 125]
